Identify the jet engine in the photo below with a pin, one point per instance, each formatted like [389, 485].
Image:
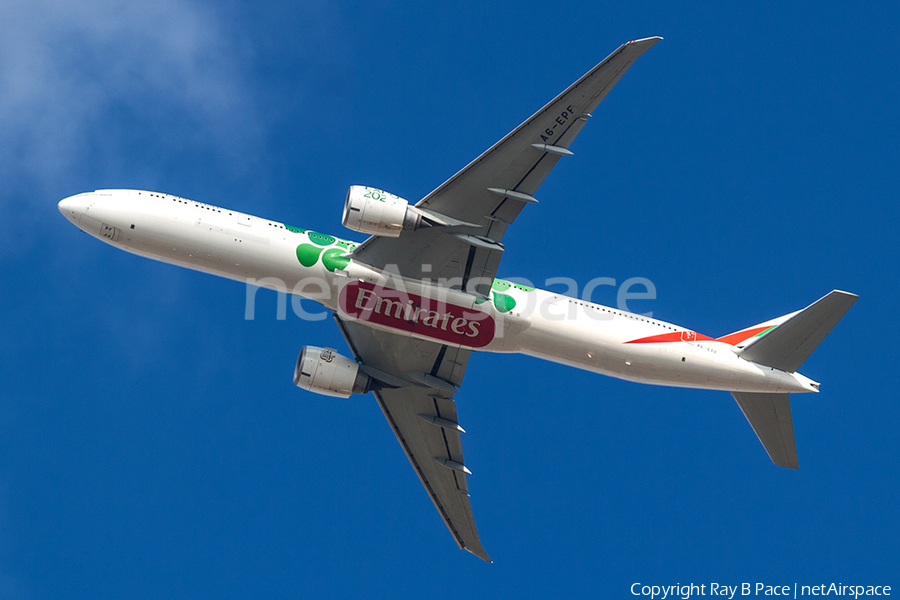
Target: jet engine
[376, 212]
[373, 211]
[324, 371]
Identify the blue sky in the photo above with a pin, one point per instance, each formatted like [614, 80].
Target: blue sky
[152, 443]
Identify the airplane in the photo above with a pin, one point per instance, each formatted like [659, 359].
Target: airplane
[420, 295]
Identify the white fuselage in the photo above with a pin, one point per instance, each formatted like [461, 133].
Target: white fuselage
[538, 323]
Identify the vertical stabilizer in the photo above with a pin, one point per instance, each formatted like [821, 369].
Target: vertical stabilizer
[786, 346]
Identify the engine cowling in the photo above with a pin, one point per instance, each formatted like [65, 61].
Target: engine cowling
[324, 371]
[376, 212]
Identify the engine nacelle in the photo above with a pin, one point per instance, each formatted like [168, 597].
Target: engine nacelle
[373, 211]
[324, 371]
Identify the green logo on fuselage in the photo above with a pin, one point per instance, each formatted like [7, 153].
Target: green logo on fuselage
[332, 251]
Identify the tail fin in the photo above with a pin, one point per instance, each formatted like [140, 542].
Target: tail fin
[784, 343]
[770, 417]
[787, 345]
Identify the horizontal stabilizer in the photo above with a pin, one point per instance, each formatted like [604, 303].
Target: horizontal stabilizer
[786, 346]
[770, 417]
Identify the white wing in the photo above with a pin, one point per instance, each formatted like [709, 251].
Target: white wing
[491, 190]
[424, 419]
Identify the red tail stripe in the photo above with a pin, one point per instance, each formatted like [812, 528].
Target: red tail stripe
[675, 336]
[740, 336]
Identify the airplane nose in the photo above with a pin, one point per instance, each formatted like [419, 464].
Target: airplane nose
[74, 206]
[65, 205]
